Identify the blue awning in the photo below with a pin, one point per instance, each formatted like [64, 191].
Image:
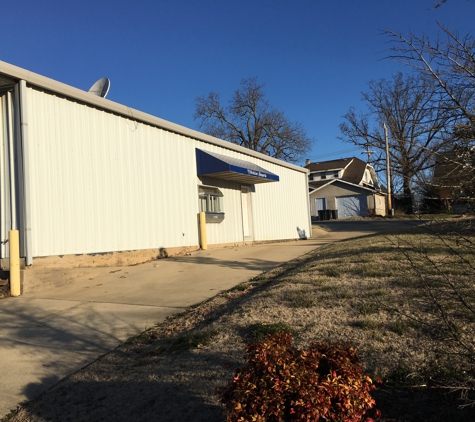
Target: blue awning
[219, 166]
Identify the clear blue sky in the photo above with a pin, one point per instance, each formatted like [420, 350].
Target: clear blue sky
[315, 56]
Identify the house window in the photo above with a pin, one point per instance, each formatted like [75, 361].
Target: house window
[335, 174]
[323, 176]
[211, 199]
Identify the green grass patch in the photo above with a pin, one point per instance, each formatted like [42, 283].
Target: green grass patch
[343, 294]
[241, 287]
[367, 324]
[399, 327]
[300, 298]
[398, 375]
[332, 271]
[259, 331]
[367, 308]
[376, 292]
[188, 341]
[329, 288]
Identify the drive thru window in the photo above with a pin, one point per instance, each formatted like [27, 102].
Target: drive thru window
[211, 199]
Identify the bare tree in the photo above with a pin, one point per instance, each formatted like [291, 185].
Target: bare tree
[251, 122]
[439, 3]
[450, 62]
[409, 106]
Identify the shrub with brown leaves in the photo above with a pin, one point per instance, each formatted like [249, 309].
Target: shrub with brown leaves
[281, 382]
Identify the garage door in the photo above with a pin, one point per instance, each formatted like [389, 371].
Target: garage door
[352, 206]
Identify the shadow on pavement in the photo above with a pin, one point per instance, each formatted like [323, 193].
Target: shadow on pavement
[33, 329]
[246, 264]
[120, 400]
[369, 226]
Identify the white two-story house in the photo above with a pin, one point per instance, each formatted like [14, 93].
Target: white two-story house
[344, 188]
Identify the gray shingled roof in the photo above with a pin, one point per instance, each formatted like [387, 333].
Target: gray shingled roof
[319, 183]
[354, 168]
[329, 165]
[355, 171]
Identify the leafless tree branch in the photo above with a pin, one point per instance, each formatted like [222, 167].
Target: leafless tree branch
[251, 122]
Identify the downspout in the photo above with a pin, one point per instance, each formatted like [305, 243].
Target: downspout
[3, 185]
[25, 174]
[307, 194]
[11, 162]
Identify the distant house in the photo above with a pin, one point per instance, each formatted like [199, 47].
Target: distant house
[344, 188]
[453, 184]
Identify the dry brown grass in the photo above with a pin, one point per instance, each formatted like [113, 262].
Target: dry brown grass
[374, 292]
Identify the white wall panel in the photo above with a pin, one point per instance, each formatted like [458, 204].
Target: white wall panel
[230, 229]
[101, 182]
[278, 207]
[282, 207]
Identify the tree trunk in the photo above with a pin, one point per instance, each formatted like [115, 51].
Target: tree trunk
[407, 198]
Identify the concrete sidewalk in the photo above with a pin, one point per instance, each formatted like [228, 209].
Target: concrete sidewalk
[47, 335]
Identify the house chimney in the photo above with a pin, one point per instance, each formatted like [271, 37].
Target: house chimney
[307, 161]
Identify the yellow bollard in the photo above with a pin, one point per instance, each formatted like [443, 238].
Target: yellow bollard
[14, 241]
[204, 243]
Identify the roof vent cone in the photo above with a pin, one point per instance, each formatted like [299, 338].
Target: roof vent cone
[100, 87]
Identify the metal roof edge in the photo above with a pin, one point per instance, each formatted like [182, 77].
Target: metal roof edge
[83, 96]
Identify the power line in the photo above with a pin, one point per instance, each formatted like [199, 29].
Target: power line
[368, 152]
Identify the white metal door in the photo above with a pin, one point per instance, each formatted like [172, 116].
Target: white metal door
[246, 213]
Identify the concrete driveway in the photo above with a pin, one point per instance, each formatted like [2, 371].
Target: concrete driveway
[47, 335]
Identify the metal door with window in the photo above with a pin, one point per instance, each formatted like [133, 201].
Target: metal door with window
[246, 206]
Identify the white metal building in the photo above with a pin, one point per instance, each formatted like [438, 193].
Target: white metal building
[82, 175]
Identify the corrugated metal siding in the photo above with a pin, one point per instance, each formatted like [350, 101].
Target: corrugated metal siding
[102, 182]
[109, 183]
[278, 208]
[230, 229]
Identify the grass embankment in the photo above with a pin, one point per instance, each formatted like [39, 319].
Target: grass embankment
[406, 301]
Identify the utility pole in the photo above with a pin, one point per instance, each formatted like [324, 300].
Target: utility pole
[388, 173]
[368, 152]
